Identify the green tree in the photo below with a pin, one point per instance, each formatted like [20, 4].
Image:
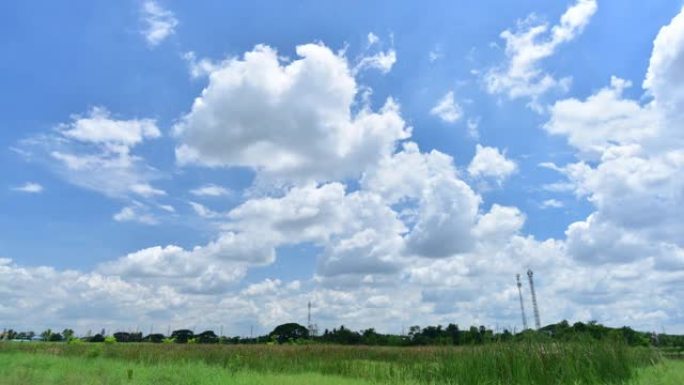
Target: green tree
[46, 334]
[68, 334]
[182, 336]
[289, 332]
[207, 337]
[371, 337]
[96, 338]
[154, 338]
[454, 334]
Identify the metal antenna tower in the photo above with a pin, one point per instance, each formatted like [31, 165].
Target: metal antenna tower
[522, 306]
[537, 322]
[313, 329]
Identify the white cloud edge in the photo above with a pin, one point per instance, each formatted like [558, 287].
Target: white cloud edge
[29, 187]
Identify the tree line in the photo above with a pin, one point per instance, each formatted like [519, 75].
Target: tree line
[294, 333]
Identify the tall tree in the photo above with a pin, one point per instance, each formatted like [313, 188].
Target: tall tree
[289, 332]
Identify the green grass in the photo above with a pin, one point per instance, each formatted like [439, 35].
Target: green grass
[669, 372]
[25, 368]
[497, 364]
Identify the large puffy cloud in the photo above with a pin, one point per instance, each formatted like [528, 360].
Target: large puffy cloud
[666, 68]
[445, 219]
[664, 80]
[360, 234]
[498, 225]
[293, 121]
[521, 75]
[411, 244]
[203, 269]
[371, 245]
[441, 207]
[304, 214]
[635, 189]
[632, 167]
[476, 288]
[603, 119]
[639, 200]
[365, 253]
[207, 269]
[34, 295]
[405, 174]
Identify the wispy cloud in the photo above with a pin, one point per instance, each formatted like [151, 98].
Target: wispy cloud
[136, 212]
[95, 151]
[447, 109]
[203, 211]
[29, 187]
[551, 204]
[532, 42]
[159, 23]
[210, 190]
[381, 60]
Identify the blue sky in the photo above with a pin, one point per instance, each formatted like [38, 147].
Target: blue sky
[252, 157]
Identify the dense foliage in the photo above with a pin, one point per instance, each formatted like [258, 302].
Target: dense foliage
[416, 336]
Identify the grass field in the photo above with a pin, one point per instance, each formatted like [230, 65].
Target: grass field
[25, 368]
[669, 372]
[544, 364]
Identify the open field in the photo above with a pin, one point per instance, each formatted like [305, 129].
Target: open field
[25, 368]
[521, 363]
[669, 372]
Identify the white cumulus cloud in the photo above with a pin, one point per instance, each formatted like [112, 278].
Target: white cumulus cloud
[603, 119]
[631, 166]
[490, 162]
[99, 127]
[532, 42]
[291, 121]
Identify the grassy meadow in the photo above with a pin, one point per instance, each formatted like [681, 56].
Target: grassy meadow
[512, 363]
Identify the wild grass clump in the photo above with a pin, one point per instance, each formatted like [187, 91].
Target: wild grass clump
[526, 362]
